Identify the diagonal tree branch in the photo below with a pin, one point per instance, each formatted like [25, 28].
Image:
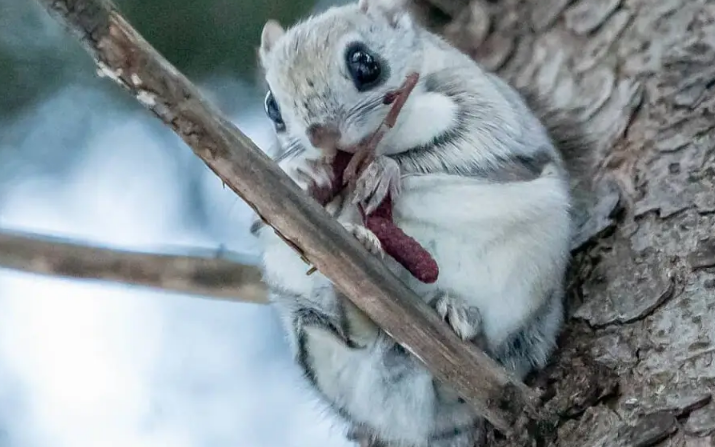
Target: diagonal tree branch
[123, 55]
[222, 276]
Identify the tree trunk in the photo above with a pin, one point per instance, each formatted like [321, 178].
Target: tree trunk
[635, 366]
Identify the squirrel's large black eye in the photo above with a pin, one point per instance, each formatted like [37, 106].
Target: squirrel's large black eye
[363, 66]
[273, 112]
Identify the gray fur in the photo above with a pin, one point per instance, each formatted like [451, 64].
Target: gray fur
[441, 154]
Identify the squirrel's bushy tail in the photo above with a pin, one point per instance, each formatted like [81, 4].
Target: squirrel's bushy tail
[569, 133]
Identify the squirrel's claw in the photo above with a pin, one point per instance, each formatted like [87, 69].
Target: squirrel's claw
[312, 174]
[367, 238]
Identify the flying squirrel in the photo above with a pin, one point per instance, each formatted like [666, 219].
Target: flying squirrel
[478, 172]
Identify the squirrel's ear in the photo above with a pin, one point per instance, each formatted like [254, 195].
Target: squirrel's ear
[272, 31]
[395, 11]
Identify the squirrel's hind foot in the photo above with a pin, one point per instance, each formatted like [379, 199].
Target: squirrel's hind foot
[464, 319]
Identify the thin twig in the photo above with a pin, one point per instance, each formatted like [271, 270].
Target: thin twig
[223, 275]
[123, 55]
[366, 153]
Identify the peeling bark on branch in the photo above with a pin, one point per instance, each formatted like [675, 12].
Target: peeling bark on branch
[211, 276]
[636, 365]
[124, 56]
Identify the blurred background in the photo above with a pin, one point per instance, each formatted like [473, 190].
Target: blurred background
[91, 364]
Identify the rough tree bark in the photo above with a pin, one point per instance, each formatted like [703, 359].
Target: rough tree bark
[635, 366]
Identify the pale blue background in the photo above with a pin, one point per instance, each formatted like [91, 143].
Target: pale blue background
[96, 365]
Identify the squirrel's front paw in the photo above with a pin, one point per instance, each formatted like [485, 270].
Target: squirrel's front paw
[381, 177]
[366, 237]
[311, 175]
[464, 319]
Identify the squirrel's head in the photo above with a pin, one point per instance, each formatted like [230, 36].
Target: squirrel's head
[328, 75]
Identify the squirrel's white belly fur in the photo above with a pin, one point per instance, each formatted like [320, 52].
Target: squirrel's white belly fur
[500, 247]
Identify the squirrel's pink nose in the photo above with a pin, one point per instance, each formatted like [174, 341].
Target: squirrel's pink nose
[324, 136]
